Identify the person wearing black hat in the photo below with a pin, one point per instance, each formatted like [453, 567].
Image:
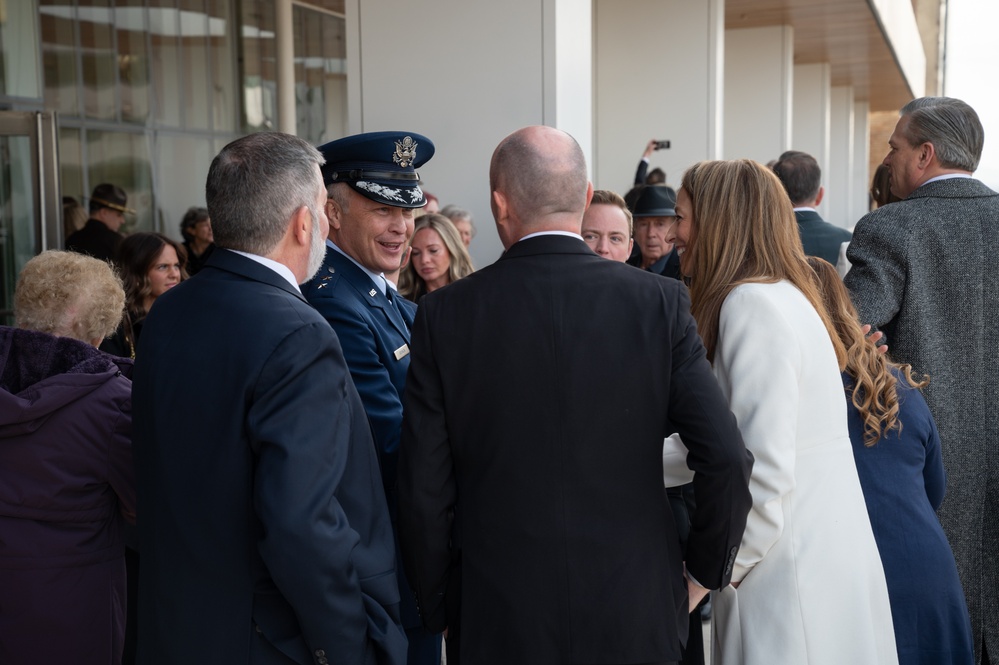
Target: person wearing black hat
[99, 237]
[374, 191]
[654, 212]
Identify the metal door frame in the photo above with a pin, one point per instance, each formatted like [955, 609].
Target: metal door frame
[40, 127]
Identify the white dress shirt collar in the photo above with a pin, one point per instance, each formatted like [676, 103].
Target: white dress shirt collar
[279, 268]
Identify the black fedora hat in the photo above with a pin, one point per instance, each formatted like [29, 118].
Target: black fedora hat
[655, 201]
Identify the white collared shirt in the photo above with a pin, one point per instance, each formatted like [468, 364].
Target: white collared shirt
[279, 268]
[947, 176]
[570, 234]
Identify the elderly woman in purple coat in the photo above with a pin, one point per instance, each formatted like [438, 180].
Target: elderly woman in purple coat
[66, 477]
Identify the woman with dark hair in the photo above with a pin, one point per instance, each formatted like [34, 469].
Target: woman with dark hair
[438, 257]
[150, 265]
[196, 227]
[807, 583]
[897, 450]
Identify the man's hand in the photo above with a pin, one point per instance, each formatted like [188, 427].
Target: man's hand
[873, 339]
[649, 149]
[695, 594]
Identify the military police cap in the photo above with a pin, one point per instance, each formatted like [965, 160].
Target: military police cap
[380, 166]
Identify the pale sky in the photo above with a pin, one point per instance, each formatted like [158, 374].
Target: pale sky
[970, 72]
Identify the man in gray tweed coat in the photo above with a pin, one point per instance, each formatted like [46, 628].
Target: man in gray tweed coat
[926, 272]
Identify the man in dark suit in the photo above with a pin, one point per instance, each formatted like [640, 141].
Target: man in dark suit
[264, 531]
[802, 178]
[926, 272]
[373, 190]
[536, 405]
[99, 237]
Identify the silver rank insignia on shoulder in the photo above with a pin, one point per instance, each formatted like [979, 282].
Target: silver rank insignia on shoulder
[405, 152]
[402, 352]
[372, 293]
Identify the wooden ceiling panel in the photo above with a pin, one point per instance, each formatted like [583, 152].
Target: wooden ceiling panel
[843, 33]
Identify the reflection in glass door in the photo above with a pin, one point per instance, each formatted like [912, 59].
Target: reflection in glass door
[29, 197]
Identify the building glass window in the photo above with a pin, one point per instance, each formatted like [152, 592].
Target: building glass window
[17, 221]
[259, 88]
[195, 70]
[99, 58]
[122, 158]
[71, 165]
[131, 22]
[59, 57]
[223, 92]
[19, 70]
[164, 59]
[184, 166]
[320, 74]
[148, 91]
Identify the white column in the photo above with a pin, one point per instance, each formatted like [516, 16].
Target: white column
[480, 71]
[284, 45]
[840, 179]
[657, 75]
[812, 88]
[569, 102]
[759, 75]
[861, 161]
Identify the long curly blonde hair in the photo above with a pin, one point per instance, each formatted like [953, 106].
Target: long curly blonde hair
[875, 389]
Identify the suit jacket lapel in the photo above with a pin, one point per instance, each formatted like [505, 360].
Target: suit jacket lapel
[367, 290]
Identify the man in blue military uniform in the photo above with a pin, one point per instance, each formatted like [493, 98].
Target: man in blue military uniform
[373, 190]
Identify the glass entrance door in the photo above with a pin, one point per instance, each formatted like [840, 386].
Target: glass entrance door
[30, 210]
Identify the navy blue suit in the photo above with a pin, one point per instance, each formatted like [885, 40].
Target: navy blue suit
[374, 334]
[265, 533]
[819, 237]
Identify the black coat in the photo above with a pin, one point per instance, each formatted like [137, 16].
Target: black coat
[539, 393]
[265, 533]
[96, 240]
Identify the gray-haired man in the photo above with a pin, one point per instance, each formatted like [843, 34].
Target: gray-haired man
[926, 272]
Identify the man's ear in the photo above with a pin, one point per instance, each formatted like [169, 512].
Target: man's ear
[501, 209]
[818, 198]
[333, 213]
[589, 194]
[301, 226]
[926, 155]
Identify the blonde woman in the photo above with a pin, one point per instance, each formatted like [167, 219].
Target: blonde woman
[897, 450]
[438, 257]
[807, 583]
[67, 479]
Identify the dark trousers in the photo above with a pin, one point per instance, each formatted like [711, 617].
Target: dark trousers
[424, 648]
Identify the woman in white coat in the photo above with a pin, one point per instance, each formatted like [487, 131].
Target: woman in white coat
[807, 586]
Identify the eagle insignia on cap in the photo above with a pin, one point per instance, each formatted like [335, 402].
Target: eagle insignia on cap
[405, 152]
